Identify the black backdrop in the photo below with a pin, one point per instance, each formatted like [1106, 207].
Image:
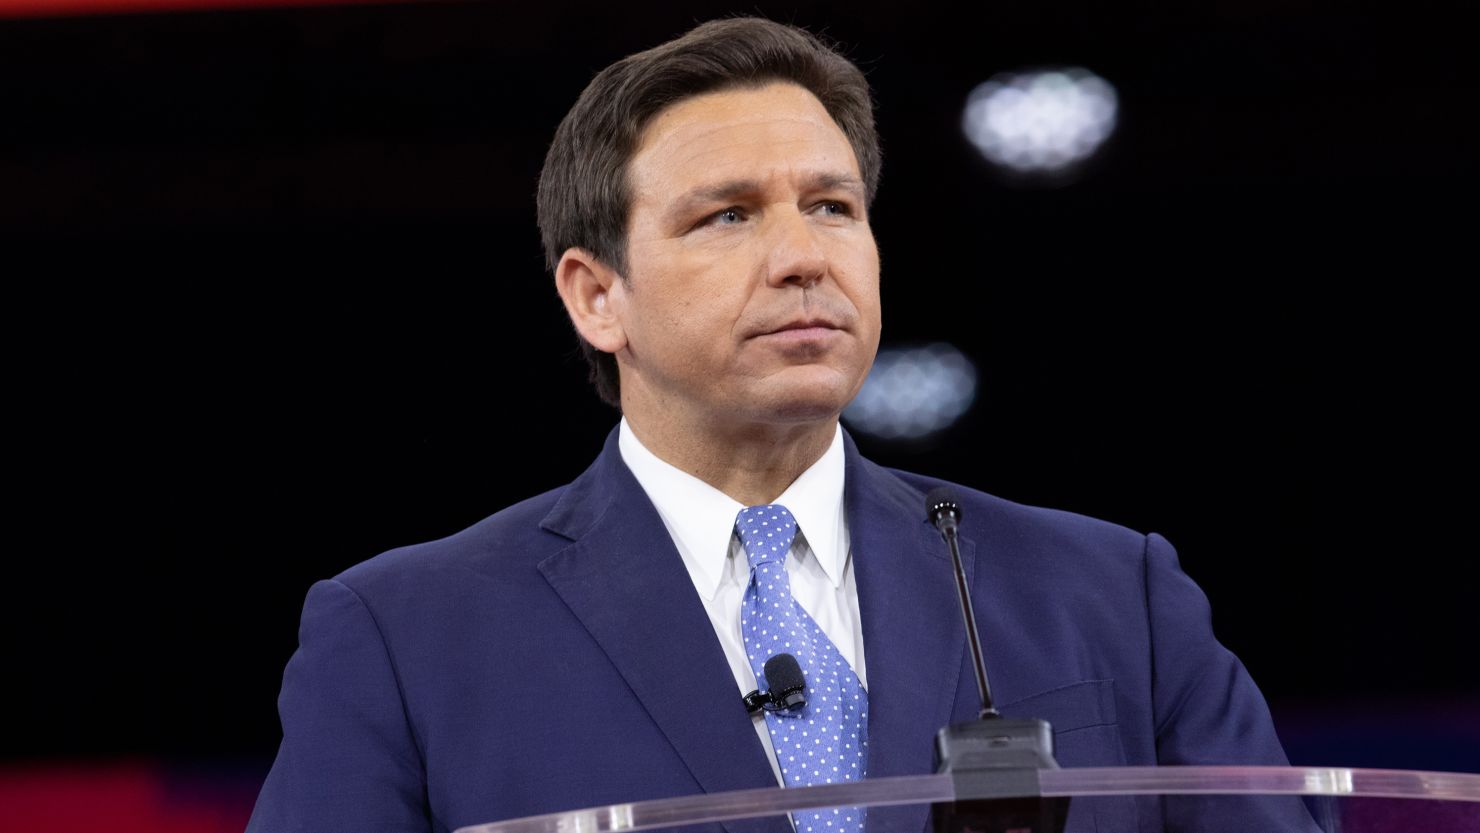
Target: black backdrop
[277, 304]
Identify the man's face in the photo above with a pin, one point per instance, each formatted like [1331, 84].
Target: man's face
[753, 286]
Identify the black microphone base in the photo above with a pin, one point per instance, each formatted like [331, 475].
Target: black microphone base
[994, 764]
[1003, 815]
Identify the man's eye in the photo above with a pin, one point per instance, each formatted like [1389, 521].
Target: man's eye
[837, 209]
[727, 217]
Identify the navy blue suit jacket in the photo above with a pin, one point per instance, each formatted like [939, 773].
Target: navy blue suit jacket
[555, 656]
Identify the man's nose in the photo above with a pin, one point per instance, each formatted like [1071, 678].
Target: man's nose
[795, 252]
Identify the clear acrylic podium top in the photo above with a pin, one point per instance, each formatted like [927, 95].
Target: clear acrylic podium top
[1334, 800]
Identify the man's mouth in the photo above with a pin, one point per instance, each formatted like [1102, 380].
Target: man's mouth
[804, 326]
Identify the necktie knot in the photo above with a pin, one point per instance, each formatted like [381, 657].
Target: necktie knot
[766, 531]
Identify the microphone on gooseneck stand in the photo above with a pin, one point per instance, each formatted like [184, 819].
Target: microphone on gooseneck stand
[786, 687]
[945, 513]
[993, 761]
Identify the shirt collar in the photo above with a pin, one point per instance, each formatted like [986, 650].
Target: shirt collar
[701, 518]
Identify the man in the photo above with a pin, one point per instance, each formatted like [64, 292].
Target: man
[704, 208]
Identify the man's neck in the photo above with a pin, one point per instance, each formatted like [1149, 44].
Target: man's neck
[752, 464]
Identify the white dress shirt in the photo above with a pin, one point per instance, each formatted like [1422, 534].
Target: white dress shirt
[701, 521]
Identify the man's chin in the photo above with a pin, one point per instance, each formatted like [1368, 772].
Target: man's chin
[803, 413]
[818, 403]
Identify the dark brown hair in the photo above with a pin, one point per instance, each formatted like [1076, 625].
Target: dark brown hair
[584, 199]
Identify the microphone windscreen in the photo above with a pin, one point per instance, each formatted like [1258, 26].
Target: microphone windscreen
[940, 500]
[784, 673]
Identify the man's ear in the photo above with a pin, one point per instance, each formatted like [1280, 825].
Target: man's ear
[585, 285]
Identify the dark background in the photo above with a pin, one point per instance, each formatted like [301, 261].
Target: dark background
[277, 304]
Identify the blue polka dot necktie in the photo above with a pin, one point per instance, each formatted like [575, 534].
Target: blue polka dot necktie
[826, 741]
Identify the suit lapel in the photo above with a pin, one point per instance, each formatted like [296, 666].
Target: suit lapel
[624, 580]
[913, 638]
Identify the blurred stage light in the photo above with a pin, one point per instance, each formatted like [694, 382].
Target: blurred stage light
[1040, 121]
[913, 392]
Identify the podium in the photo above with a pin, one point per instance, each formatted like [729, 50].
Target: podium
[1104, 800]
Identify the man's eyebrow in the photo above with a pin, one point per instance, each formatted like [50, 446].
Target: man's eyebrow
[732, 188]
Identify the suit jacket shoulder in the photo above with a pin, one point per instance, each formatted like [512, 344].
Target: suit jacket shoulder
[1024, 522]
[510, 539]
